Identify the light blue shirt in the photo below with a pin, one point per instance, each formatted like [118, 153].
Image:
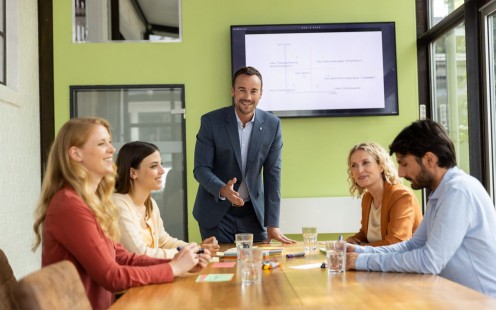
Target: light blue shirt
[456, 239]
[244, 141]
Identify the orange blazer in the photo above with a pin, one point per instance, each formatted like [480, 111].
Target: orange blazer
[400, 215]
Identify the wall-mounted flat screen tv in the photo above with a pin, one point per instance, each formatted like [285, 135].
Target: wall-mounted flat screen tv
[311, 70]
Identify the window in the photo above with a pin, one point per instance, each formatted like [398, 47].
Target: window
[442, 8]
[489, 36]
[3, 43]
[126, 20]
[9, 50]
[449, 90]
[456, 78]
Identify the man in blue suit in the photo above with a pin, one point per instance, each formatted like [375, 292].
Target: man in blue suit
[238, 166]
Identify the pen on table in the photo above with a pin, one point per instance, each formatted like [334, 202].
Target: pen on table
[200, 251]
[269, 265]
[300, 254]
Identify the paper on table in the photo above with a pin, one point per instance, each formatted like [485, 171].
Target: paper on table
[215, 277]
[232, 252]
[224, 265]
[307, 266]
[228, 252]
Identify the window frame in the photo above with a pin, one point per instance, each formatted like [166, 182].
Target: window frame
[3, 34]
[469, 14]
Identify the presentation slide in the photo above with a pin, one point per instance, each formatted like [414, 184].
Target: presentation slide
[318, 71]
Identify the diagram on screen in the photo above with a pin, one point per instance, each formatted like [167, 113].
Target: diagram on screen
[328, 70]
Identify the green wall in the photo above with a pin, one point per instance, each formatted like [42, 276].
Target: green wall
[315, 149]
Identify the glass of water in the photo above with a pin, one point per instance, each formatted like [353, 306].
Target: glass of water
[309, 238]
[251, 265]
[243, 241]
[336, 256]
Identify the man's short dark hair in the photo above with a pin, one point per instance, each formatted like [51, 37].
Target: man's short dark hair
[247, 71]
[425, 136]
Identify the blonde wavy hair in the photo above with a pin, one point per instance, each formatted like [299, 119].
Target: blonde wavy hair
[382, 158]
[62, 170]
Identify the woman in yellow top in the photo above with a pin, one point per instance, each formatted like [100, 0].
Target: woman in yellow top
[139, 172]
[390, 210]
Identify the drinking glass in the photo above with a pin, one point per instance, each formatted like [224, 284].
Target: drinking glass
[336, 256]
[251, 265]
[243, 241]
[309, 238]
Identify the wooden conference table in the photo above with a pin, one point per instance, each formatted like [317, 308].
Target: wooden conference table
[288, 287]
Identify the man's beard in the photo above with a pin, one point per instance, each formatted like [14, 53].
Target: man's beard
[423, 180]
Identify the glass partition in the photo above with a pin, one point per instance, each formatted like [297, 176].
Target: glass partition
[155, 114]
[126, 20]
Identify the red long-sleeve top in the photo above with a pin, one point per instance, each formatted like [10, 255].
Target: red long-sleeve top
[72, 233]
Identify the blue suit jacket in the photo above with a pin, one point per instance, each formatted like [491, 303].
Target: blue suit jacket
[218, 159]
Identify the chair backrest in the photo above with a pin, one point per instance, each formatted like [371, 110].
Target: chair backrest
[7, 283]
[57, 286]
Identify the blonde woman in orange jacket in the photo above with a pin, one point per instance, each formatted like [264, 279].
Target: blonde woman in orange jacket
[390, 210]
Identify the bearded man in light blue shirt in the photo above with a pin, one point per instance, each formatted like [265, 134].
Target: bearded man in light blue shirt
[457, 237]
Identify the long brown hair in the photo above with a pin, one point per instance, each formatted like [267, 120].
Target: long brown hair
[62, 170]
[130, 156]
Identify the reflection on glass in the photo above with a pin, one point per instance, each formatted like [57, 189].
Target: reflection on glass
[449, 91]
[3, 47]
[153, 114]
[2, 61]
[2, 15]
[490, 72]
[441, 8]
[126, 20]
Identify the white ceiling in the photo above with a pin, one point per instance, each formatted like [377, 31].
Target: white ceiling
[161, 12]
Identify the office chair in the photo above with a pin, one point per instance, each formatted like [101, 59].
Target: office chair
[53, 287]
[7, 284]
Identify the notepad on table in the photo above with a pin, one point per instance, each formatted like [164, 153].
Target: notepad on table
[215, 277]
[269, 250]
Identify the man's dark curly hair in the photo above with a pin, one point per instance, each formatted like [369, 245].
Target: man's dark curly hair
[425, 136]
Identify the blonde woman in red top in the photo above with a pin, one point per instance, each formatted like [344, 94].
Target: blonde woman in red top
[390, 210]
[77, 221]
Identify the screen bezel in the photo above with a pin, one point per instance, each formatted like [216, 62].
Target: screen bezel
[238, 60]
